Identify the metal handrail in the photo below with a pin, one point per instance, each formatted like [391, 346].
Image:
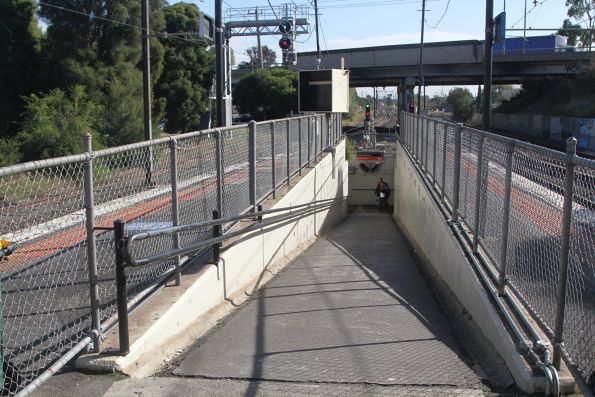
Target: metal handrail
[123, 247]
[129, 241]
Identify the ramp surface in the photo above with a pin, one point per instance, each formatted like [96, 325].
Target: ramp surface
[353, 308]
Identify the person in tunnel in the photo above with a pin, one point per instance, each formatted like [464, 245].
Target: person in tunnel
[383, 193]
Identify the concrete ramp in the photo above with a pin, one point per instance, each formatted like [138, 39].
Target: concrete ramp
[353, 308]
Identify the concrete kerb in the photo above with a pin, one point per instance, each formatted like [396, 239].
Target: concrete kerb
[427, 230]
[176, 316]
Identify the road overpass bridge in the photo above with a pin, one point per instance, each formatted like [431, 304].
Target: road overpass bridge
[444, 63]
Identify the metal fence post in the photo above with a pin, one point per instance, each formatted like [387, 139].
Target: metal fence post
[219, 170]
[418, 139]
[565, 249]
[456, 183]
[300, 145]
[252, 164]
[314, 136]
[288, 150]
[478, 190]
[444, 142]
[309, 141]
[434, 153]
[122, 298]
[91, 240]
[216, 233]
[175, 212]
[321, 138]
[274, 160]
[506, 218]
[427, 134]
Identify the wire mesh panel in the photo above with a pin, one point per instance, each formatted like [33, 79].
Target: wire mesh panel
[45, 290]
[449, 164]
[280, 152]
[134, 186]
[264, 161]
[579, 317]
[303, 141]
[293, 146]
[314, 137]
[236, 198]
[469, 169]
[197, 182]
[440, 158]
[492, 198]
[535, 229]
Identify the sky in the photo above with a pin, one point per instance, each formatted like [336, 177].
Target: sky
[365, 23]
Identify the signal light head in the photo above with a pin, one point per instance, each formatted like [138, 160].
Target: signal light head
[285, 26]
[285, 43]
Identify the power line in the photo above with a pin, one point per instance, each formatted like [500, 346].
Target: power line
[371, 4]
[528, 12]
[165, 35]
[440, 20]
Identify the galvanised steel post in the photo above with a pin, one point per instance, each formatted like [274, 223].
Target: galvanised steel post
[478, 190]
[252, 164]
[315, 136]
[427, 123]
[456, 183]
[565, 249]
[91, 240]
[309, 141]
[418, 153]
[444, 142]
[300, 145]
[287, 147]
[216, 233]
[434, 153]
[175, 212]
[321, 137]
[121, 294]
[219, 170]
[506, 218]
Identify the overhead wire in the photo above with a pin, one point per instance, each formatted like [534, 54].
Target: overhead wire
[528, 12]
[441, 18]
[167, 35]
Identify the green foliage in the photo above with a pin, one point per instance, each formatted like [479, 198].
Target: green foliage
[55, 124]
[267, 93]
[188, 72]
[19, 46]
[269, 57]
[9, 152]
[583, 12]
[462, 103]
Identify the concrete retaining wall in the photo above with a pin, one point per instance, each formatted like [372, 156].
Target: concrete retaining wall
[425, 227]
[552, 129]
[362, 184]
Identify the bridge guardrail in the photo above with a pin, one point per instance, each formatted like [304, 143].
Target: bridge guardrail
[58, 285]
[530, 211]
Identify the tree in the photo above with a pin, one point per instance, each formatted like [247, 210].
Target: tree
[188, 72]
[19, 45]
[462, 103]
[54, 124]
[581, 11]
[269, 57]
[104, 57]
[267, 93]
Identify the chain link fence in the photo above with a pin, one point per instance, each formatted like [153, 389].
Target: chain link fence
[59, 283]
[511, 198]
